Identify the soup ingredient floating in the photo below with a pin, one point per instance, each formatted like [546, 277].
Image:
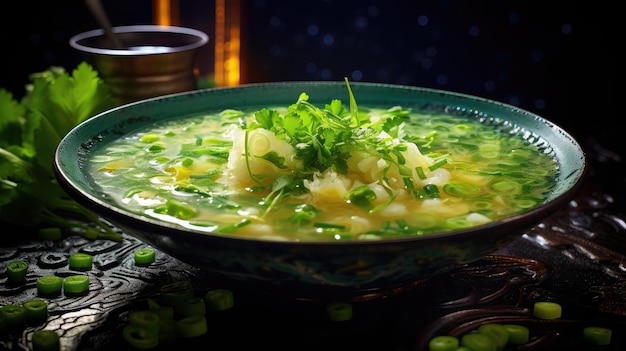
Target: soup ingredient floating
[308, 173]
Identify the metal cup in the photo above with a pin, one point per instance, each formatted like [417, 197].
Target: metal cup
[156, 60]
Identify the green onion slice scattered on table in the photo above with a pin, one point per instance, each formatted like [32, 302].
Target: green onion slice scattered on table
[478, 342]
[16, 271]
[547, 310]
[339, 311]
[192, 326]
[49, 284]
[498, 332]
[443, 343]
[80, 261]
[76, 284]
[518, 334]
[36, 310]
[597, 335]
[219, 299]
[146, 319]
[46, 340]
[139, 337]
[15, 315]
[144, 256]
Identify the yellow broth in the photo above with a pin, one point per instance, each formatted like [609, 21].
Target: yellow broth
[221, 173]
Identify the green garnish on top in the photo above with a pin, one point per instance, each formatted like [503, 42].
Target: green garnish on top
[326, 138]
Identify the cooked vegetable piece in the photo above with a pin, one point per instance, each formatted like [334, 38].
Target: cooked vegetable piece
[36, 310]
[547, 310]
[46, 340]
[597, 335]
[17, 270]
[443, 343]
[219, 299]
[140, 337]
[49, 285]
[339, 311]
[192, 326]
[478, 342]
[146, 319]
[15, 315]
[80, 261]
[144, 256]
[76, 284]
[518, 334]
[498, 332]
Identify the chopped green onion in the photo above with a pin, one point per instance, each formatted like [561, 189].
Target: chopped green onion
[16, 271]
[36, 310]
[80, 261]
[497, 331]
[49, 285]
[437, 164]
[478, 342]
[15, 315]
[518, 334]
[506, 186]
[339, 311]
[140, 337]
[146, 319]
[597, 335]
[46, 340]
[192, 326]
[219, 299]
[150, 138]
[547, 310]
[76, 284]
[461, 189]
[443, 343]
[187, 162]
[144, 256]
[431, 191]
[420, 173]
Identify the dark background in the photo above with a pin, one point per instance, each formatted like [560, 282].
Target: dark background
[557, 59]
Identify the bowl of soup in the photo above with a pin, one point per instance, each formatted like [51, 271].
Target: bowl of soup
[321, 188]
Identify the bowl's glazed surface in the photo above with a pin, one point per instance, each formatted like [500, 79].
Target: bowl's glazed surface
[327, 268]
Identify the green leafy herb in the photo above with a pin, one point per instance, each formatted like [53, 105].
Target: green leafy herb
[30, 131]
[325, 138]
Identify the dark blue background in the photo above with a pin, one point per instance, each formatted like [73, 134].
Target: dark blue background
[555, 58]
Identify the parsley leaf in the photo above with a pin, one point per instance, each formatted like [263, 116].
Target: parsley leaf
[30, 131]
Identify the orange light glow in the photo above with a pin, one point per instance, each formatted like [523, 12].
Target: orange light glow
[166, 12]
[227, 42]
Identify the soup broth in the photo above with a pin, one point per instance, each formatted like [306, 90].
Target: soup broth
[335, 172]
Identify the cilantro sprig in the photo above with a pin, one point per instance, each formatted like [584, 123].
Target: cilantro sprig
[30, 131]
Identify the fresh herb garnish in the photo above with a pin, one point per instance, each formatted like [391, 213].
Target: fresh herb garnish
[30, 131]
[325, 138]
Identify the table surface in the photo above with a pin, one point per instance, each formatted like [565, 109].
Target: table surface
[576, 257]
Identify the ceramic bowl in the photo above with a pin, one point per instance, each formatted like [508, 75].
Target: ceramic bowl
[307, 269]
